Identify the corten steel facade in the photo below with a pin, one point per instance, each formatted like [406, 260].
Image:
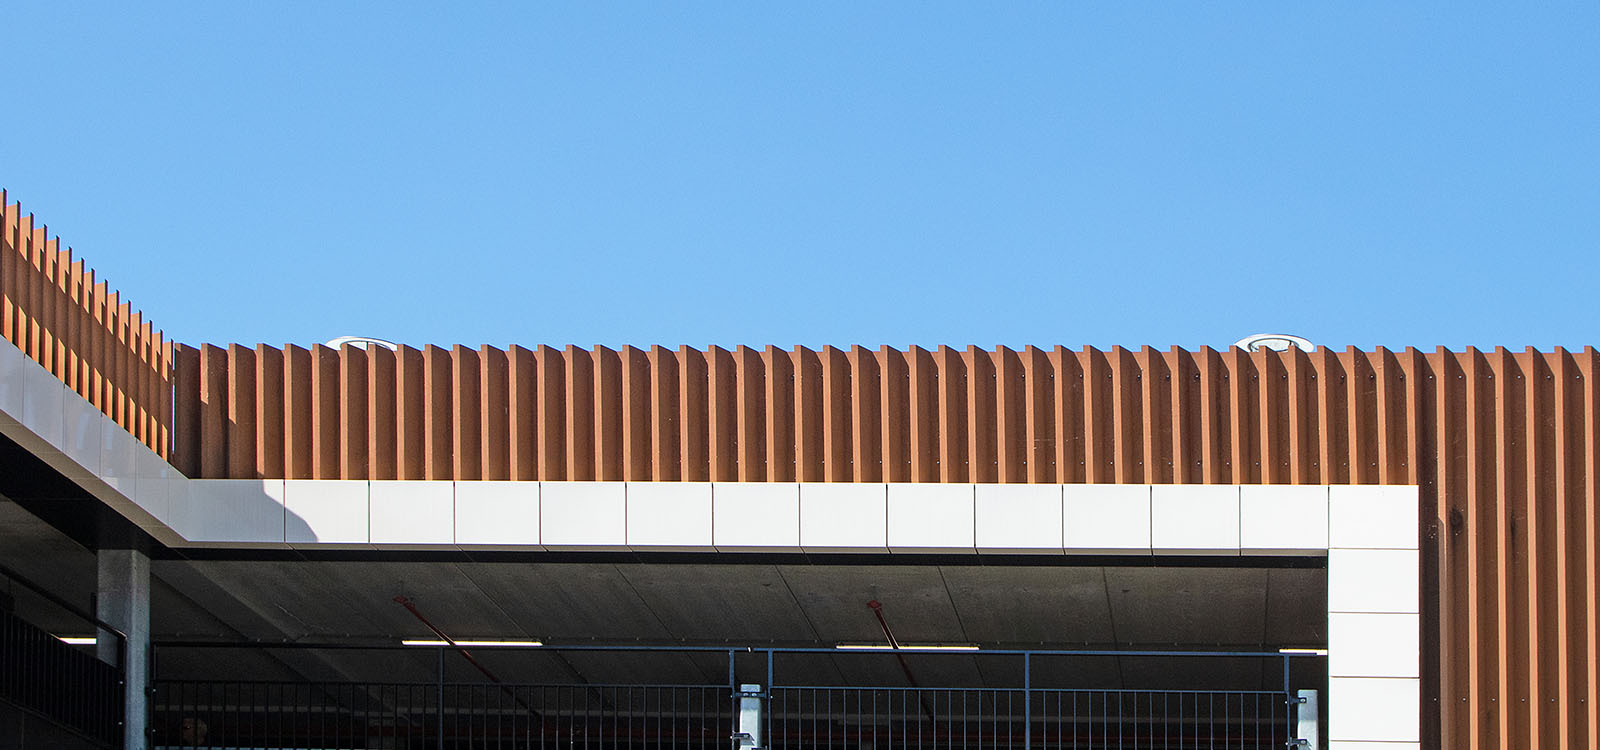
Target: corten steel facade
[1504, 445]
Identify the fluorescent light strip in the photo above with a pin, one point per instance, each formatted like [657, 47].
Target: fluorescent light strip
[1316, 651]
[479, 644]
[906, 647]
[78, 640]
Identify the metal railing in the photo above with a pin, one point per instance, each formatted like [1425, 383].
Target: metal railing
[450, 715]
[63, 684]
[1014, 718]
[194, 714]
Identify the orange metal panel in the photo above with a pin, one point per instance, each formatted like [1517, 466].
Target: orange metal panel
[1011, 426]
[272, 448]
[836, 459]
[634, 430]
[749, 415]
[580, 437]
[187, 415]
[495, 418]
[923, 394]
[354, 400]
[552, 409]
[779, 438]
[524, 403]
[242, 398]
[612, 397]
[693, 415]
[722, 415]
[894, 398]
[438, 413]
[325, 413]
[410, 422]
[982, 456]
[666, 450]
[466, 409]
[866, 423]
[1068, 395]
[1589, 659]
[1038, 408]
[952, 387]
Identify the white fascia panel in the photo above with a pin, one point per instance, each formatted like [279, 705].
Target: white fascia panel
[1374, 709]
[1195, 519]
[1283, 520]
[756, 516]
[229, 512]
[1106, 518]
[669, 516]
[42, 402]
[1019, 518]
[844, 517]
[1373, 580]
[1364, 644]
[931, 518]
[497, 515]
[417, 514]
[583, 516]
[1378, 517]
[327, 513]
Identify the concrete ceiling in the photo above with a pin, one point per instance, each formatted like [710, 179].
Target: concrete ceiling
[1057, 606]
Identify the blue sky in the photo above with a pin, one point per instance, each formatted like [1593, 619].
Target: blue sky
[693, 173]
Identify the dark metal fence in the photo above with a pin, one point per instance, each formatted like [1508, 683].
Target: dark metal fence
[62, 683]
[454, 716]
[415, 716]
[1039, 718]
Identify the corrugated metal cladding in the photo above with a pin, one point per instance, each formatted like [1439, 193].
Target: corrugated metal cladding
[1504, 445]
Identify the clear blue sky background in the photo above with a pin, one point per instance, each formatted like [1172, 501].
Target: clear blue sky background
[987, 173]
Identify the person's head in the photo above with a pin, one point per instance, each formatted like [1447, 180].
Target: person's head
[192, 731]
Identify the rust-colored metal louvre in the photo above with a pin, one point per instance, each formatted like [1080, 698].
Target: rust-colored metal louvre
[53, 309]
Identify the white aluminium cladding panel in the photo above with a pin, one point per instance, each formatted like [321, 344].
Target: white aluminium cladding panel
[668, 516]
[1018, 518]
[755, 516]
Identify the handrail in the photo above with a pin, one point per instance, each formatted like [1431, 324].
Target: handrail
[62, 603]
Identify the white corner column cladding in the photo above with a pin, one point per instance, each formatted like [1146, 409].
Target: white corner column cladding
[1374, 619]
[123, 602]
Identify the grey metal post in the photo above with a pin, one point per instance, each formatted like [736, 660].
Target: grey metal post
[1306, 733]
[439, 711]
[749, 736]
[1027, 700]
[123, 601]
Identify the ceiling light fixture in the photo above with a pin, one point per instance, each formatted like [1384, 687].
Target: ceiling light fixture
[78, 640]
[475, 644]
[906, 647]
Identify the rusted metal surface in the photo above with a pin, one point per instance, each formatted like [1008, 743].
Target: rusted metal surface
[56, 312]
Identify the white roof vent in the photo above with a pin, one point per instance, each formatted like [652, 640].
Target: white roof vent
[1278, 342]
[362, 342]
